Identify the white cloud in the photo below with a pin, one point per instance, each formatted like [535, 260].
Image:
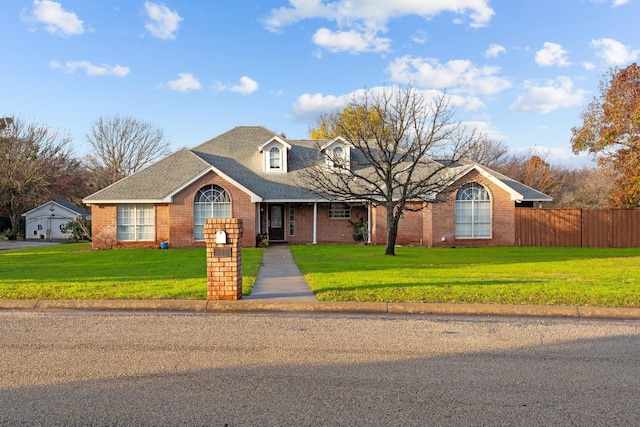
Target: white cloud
[614, 52]
[457, 76]
[420, 37]
[588, 65]
[552, 54]
[360, 21]
[557, 93]
[184, 83]
[56, 20]
[615, 3]
[308, 107]
[352, 41]
[90, 69]
[163, 23]
[247, 86]
[485, 128]
[376, 11]
[495, 50]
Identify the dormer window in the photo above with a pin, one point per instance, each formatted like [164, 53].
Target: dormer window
[275, 159]
[339, 159]
[274, 155]
[337, 154]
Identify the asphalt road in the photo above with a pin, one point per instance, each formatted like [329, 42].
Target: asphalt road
[90, 368]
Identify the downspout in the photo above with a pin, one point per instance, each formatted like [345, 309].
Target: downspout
[315, 223]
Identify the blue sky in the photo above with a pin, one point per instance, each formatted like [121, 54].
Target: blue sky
[520, 71]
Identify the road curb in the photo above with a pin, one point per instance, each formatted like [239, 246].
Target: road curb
[483, 309]
[293, 306]
[249, 306]
[124, 305]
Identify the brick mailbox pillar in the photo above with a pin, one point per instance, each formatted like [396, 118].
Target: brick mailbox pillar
[223, 237]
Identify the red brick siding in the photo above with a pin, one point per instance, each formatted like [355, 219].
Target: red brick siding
[102, 216]
[174, 222]
[328, 230]
[502, 214]
[437, 220]
[181, 212]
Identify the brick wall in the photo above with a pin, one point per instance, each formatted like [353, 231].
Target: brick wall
[437, 220]
[328, 230]
[174, 222]
[502, 213]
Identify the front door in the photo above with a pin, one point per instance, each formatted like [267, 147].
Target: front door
[276, 222]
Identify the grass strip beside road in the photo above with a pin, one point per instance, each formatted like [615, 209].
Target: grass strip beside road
[74, 271]
[500, 275]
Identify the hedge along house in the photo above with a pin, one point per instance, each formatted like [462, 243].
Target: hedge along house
[254, 174]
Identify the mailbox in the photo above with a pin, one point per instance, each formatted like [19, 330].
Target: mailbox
[221, 237]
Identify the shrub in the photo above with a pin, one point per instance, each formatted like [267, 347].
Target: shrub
[107, 238]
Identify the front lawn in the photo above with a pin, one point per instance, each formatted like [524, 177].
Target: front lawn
[502, 275]
[74, 271]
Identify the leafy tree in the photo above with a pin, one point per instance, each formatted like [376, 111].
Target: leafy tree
[122, 146]
[611, 129]
[533, 170]
[396, 134]
[32, 157]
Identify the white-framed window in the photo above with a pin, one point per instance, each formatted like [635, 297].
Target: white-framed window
[136, 222]
[275, 159]
[473, 212]
[339, 210]
[211, 201]
[339, 159]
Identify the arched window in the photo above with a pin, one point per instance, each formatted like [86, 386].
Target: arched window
[274, 158]
[211, 201]
[338, 156]
[473, 212]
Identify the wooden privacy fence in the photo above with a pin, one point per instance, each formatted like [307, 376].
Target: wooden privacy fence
[595, 228]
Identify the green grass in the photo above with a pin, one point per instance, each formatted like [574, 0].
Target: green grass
[74, 271]
[502, 275]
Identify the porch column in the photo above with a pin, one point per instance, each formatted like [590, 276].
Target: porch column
[258, 214]
[315, 223]
[368, 223]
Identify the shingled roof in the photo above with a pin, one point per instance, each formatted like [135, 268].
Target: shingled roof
[235, 156]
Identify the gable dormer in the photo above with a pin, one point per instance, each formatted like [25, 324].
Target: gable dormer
[337, 153]
[274, 155]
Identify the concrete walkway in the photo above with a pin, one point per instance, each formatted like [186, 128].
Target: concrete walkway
[279, 278]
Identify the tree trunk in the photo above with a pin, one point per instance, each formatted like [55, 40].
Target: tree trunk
[15, 223]
[392, 232]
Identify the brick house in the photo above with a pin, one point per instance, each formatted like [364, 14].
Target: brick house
[253, 174]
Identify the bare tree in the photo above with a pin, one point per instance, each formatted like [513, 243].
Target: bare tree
[395, 134]
[122, 146]
[32, 158]
[586, 188]
[488, 152]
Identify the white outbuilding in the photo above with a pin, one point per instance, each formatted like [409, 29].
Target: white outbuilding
[47, 220]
